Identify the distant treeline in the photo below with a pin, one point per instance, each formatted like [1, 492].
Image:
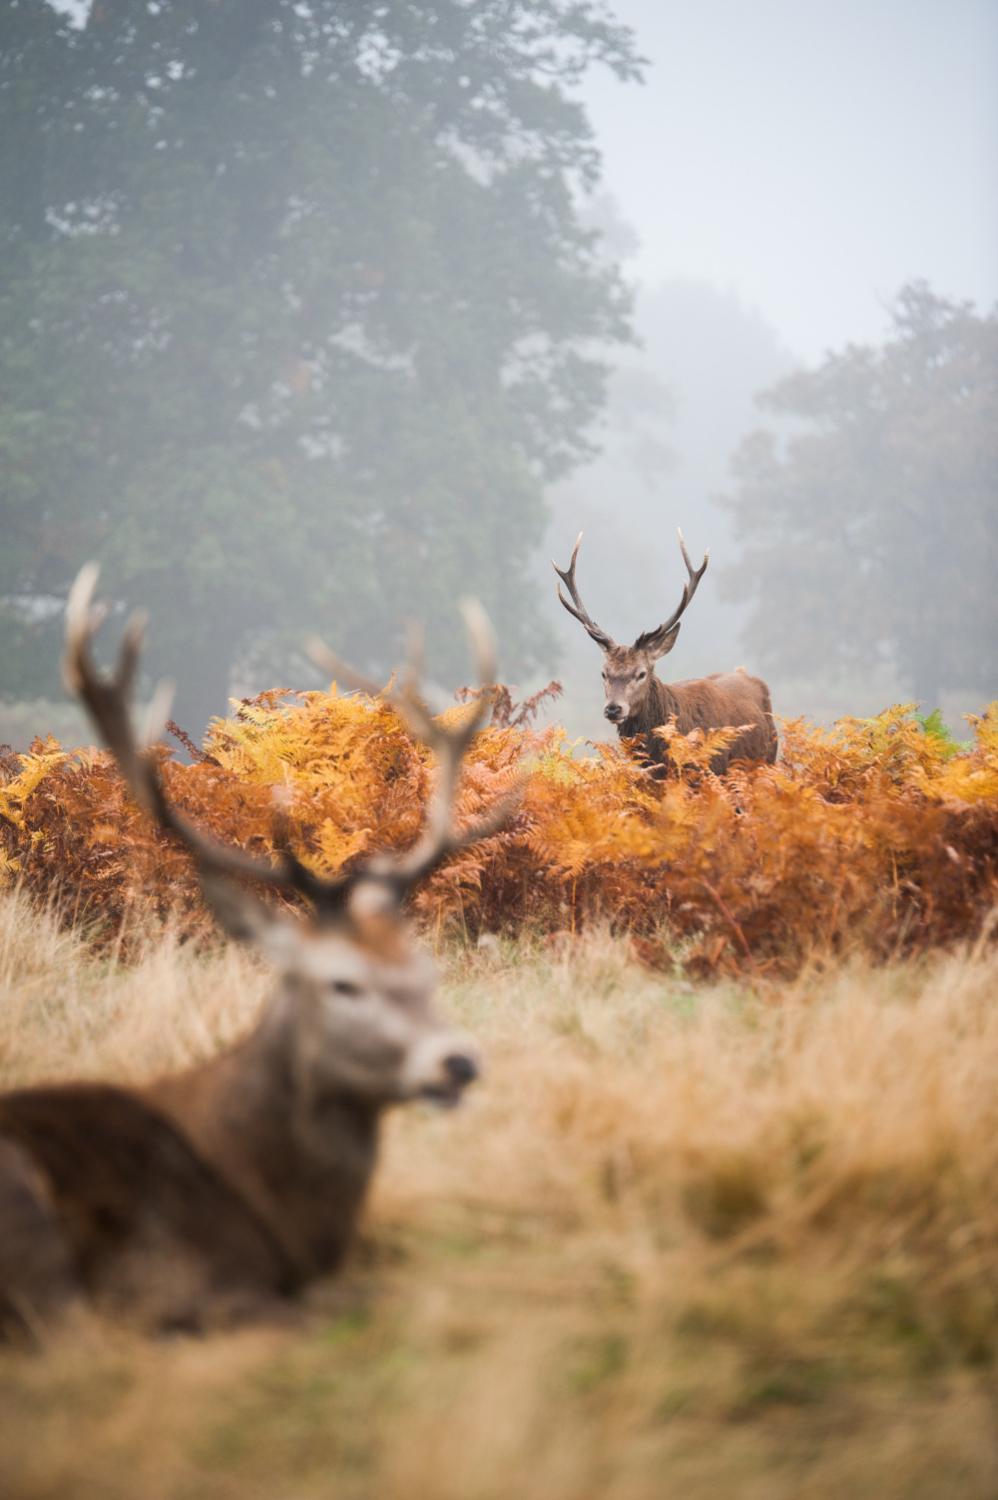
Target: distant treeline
[871, 532]
[291, 304]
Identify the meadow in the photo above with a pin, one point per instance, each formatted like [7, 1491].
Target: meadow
[720, 1218]
[683, 1240]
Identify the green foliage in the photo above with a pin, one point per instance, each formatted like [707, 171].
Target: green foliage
[932, 724]
[291, 304]
[874, 530]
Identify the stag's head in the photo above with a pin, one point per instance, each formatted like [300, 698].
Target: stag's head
[353, 1004]
[354, 997]
[628, 671]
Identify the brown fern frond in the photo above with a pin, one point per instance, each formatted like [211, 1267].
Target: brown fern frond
[870, 836]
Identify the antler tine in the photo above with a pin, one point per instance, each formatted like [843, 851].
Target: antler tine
[340, 671]
[580, 612]
[449, 746]
[108, 698]
[689, 587]
[108, 701]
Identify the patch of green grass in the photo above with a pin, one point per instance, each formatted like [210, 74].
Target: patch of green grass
[786, 1380]
[597, 1360]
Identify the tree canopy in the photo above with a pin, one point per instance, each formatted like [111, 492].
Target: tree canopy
[871, 531]
[294, 316]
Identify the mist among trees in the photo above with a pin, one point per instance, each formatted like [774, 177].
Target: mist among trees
[871, 535]
[292, 305]
[311, 318]
[678, 405]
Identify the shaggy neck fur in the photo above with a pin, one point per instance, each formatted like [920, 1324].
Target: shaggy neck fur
[656, 708]
[725, 699]
[303, 1166]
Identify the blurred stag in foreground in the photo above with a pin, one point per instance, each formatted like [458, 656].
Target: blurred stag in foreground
[639, 703]
[208, 1196]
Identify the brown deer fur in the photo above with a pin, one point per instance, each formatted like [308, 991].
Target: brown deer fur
[725, 699]
[206, 1195]
[210, 1195]
[639, 703]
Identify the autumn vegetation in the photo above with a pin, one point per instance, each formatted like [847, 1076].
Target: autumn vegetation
[298, 318]
[876, 837]
[722, 1207]
[742, 1235]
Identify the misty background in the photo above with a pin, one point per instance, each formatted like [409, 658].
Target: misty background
[784, 172]
[318, 316]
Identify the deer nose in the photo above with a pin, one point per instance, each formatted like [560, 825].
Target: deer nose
[460, 1068]
[613, 712]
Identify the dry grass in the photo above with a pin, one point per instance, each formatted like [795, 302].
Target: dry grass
[67, 1012]
[683, 1242]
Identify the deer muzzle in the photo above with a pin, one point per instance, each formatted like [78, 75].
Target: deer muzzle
[440, 1067]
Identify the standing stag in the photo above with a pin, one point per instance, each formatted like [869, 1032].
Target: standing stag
[638, 703]
[208, 1196]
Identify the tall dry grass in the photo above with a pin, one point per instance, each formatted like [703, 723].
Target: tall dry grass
[69, 1012]
[715, 1241]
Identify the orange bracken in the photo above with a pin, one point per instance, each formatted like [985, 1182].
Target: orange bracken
[875, 835]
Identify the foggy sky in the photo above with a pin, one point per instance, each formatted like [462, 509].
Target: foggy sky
[809, 157]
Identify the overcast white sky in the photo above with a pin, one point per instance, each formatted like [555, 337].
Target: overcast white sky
[810, 155]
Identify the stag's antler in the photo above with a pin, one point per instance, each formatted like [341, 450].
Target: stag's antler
[448, 745]
[689, 589]
[108, 701]
[580, 612]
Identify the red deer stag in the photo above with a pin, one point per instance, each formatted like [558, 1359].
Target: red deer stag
[638, 703]
[210, 1195]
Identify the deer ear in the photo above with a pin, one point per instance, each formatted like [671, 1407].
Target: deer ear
[247, 919]
[657, 642]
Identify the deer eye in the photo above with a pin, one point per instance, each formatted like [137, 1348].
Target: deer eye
[642, 676]
[346, 987]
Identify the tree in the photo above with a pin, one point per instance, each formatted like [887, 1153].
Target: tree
[292, 311]
[872, 532]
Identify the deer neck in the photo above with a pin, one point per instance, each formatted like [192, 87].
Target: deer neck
[655, 708]
[303, 1165]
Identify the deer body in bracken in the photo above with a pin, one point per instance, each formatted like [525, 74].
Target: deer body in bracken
[209, 1196]
[639, 703]
[724, 699]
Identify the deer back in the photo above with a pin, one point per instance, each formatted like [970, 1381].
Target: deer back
[128, 1214]
[734, 700]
